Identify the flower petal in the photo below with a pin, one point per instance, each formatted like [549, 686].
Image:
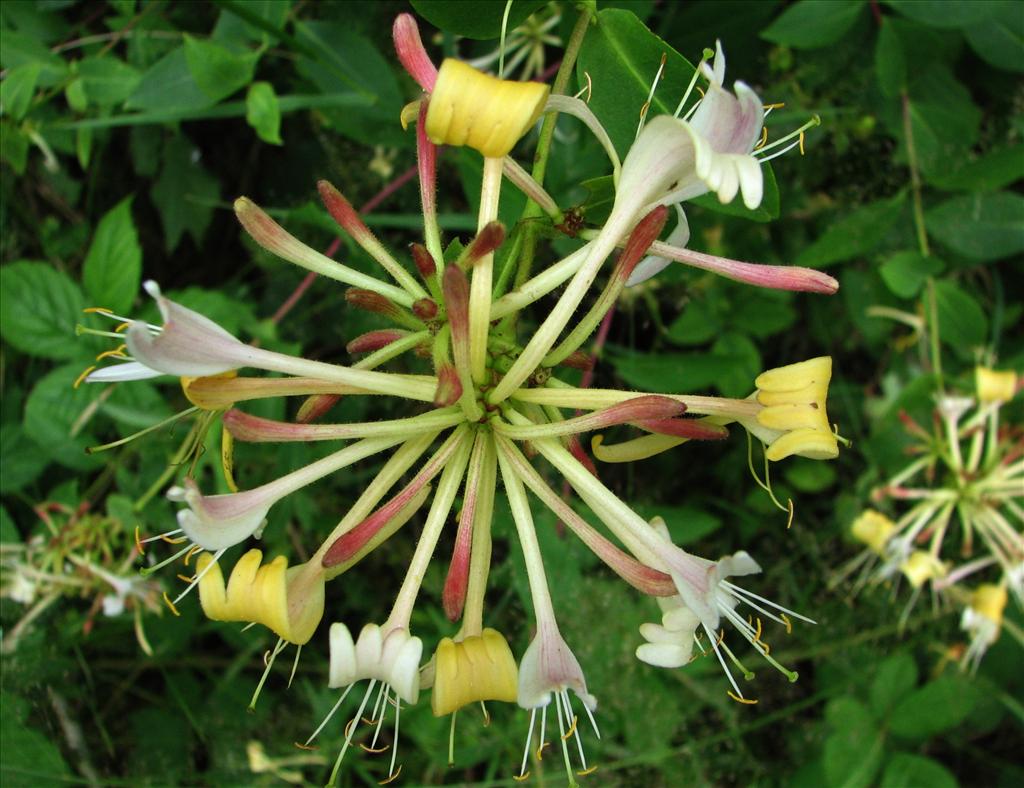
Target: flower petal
[215, 522]
[126, 370]
[652, 265]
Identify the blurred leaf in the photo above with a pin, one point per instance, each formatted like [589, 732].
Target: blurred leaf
[8, 530]
[810, 476]
[994, 170]
[687, 524]
[890, 64]
[696, 325]
[52, 413]
[21, 458]
[905, 272]
[935, 708]
[962, 322]
[855, 234]
[20, 49]
[184, 193]
[666, 373]
[217, 71]
[30, 759]
[40, 309]
[113, 266]
[17, 89]
[810, 24]
[945, 13]
[169, 85]
[263, 113]
[894, 678]
[480, 19]
[107, 80]
[765, 212]
[737, 377]
[853, 752]
[765, 312]
[622, 56]
[233, 314]
[999, 38]
[904, 769]
[981, 227]
[83, 147]
[13, 146]
[74, 93]
[943, 118]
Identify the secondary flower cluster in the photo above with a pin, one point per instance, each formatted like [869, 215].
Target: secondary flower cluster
[489, 406]
[968, 470]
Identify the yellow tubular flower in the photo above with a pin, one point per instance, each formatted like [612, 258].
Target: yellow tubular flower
[288, 601]
[989, 600]
[468, 107]
[921, 567]
[794, 404]
[873, 529]
[994, 386]
[478, 668]
[201, 401]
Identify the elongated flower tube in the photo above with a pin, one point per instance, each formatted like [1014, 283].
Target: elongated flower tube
[794, 409]
[478, 668]
[468, 107]
[289, 601]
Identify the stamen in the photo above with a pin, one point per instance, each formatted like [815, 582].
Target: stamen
[588, 89]
[305, 747]
[327, 719]
[195, 549]
[451, 740]
[393, 777]
[138, 544]
[521, 777]
[579, 741]
[394, 752]
[186, 578]
[747, 674]
[741, 699]
[523, 773]
[487, 714]
[585, 772]
[117, 352]
[764, 138]
[122, 327]
[650, 95]
[83, 376]
[801, 143]
[572, 728]
[170, 604]
[777, 105]
[281, 643]
[561, 731]
[295, 665]
[349, 729]
[97, 310]
[787, 622]
[167, 538]
[148, 570]
[378, 706]
[705, 56]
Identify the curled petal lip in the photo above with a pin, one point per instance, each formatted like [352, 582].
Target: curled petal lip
[215, 522]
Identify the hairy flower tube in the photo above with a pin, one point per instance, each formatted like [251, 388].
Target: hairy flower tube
[485, 416]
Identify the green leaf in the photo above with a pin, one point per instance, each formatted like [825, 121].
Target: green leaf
[113, 267]
[217, 71]
[697, 324]
[13, 146]
[962, 321]
[21, 49]
[999, 38]
[480, 19]
[810, 476]
[894, 678]
[687, 524]
[21, 458]
[168, 85]
[17, 89]
[853, 752]
[890, 64]
[667, 373]
[943, 118]
[935, 708]
[40, 309]
[744, 364]
[994, 170]
[855, 234]
[52, 413]
[29, 757]
[945, 13]
[622, 56]
[765, 212]
[184, 193]
[904, 769]
[74, 93]
[981, 227]
[905, 272]
[810, 24]
[263, 113]
[107, 80]
[8, 530]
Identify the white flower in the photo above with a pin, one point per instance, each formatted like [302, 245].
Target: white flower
[548, 667]
[392, 657]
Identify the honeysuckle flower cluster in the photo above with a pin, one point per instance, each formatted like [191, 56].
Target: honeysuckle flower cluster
[489, 404]
[960, 506]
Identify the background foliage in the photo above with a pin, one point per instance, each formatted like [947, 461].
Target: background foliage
[128, 128]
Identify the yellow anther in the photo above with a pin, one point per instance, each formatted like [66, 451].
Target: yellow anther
[540, 751]
[195, 549]
[764, 138]
[777, 105]
[89, 310]
[374, 750]
[122, 327]
[227, 458]
[757, 634]
[802, 143]
[173, 540]
[521, 777]
[787, 622]
[369, 722]
[138, 542]
[117, 352]
[700, 90]
[83, 376]
[306, 747]
[585, 772]
[572, 729]
[348, 727]
[393, 777]
[741, 699]
[186, 578]
[721, 637]
[170, 604]
[792, 511]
